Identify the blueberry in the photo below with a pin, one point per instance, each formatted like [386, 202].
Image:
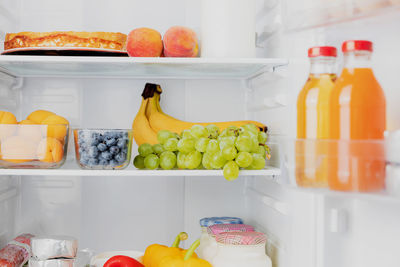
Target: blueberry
[110, 141]
[121, 143]
[94, 141]
[106, 155]
[121, 157]
[84, 155]
[102, 147]
[95, 135]
[125, 150]
[93, 162]
[84, 161]
[93, 152]
[104, 162]
[113, 163]
[114, 150]
[81, 150]
[101, 138]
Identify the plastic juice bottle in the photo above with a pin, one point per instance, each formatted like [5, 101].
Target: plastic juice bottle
[313, 118]
[358, 113]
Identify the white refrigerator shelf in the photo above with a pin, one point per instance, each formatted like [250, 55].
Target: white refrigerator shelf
[116, 67]
[71, 169]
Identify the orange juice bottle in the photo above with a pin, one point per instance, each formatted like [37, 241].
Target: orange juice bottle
[313, 118]
[358, 113]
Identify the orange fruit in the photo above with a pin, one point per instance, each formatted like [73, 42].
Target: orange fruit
[56, 127]
[39, 115]
[50, 150]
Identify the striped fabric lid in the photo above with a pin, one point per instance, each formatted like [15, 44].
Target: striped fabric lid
[222, 228]
[241, 238]
[206, 222]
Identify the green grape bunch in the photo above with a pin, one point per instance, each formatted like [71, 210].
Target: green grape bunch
[200, 147]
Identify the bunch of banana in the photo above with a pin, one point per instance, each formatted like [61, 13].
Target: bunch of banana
[151, 119]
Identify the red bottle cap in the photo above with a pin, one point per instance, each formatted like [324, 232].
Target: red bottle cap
[322, 51]
[357, 45]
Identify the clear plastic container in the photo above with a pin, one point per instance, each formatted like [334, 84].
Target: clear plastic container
[33, 146]
[356, 165]
[103, 149]
[393, 160]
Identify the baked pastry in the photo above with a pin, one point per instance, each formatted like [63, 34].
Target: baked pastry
[105, 40]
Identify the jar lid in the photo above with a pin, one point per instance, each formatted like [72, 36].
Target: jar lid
[224, 228]
[357, 45]
[241, 238]
[206, 222]
[322, 51]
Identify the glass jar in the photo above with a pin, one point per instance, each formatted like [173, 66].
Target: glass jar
[238, 249]
[205, 238]
[210, 249]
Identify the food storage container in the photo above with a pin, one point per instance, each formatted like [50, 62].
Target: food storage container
[34, 146]
[209, 221]
[238, 249]
[103, 149]
[210, 248]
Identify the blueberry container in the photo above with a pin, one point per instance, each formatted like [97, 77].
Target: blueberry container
[103, 149]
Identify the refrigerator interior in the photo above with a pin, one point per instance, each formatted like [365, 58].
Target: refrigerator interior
[304, 227]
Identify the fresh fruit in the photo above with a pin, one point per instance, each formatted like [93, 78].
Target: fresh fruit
[244, 159]
[102, 149]
[164, 135]
[145, 150]
[39, 115]
[180, 42]
[258, 162]
[193, 160]
[186, 145]
[142, 132]
[144, 42]
[17, 149]
[50, 150]
[201, 144]
[151, 162]
[6, 129]
[57, 127]
[122, 261]
[231, 171]
[168, 160]
[171, 144]
[158, 149]
[158, 120]
[229, 152]
[138, 161]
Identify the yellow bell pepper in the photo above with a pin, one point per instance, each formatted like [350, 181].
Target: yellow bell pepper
[155, 253]
[185, 261]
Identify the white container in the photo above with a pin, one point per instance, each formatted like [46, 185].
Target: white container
[241, 249]
[210, 247]
[228, 28]
[205, 238]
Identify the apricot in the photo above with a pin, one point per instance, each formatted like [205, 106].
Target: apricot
[180, 42]
[18, 149]
[31, 130]
[50, 150]
[39, 115]
[144, 42]
[6, 127]
[57, 127]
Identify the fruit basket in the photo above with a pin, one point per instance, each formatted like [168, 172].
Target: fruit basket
[33, 146]
[102, 149]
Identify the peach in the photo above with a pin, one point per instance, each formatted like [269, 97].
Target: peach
[7, 129]
[56, 127]
[144, 42]
[180, 42]
[30, 130]
[18, 149]
[50, 150]
[39, 115]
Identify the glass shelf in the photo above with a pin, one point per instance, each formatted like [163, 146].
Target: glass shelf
[114, 67]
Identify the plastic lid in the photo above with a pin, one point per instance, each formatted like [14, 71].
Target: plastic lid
[223, 228]
[322, 51]
[206, 222]
[357, 45]
[241, 238]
